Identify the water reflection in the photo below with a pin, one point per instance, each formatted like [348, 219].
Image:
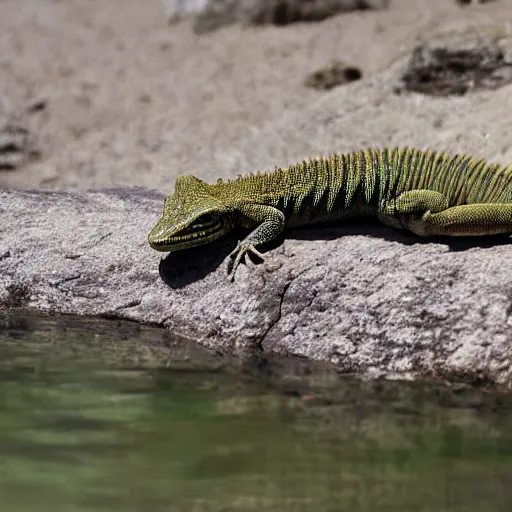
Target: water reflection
[129, 419]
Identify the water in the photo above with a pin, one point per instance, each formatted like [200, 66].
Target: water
[101, 416]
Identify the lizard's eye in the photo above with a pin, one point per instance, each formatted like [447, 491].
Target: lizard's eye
[207, 220]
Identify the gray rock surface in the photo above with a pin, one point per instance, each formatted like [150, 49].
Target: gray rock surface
[368, 299]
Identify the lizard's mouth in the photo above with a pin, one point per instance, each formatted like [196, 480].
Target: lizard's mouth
[203, 230]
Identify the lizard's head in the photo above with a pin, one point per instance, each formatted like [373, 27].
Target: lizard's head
[191, 217]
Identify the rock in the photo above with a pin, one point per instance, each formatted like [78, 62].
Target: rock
[211, 15]
[457, 63]
[179, 9]
[335, 74]
[367, 299]
[469, 2]
[14, 146]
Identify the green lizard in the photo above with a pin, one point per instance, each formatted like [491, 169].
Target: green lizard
[426, 192]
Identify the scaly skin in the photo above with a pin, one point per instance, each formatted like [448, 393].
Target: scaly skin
[426, 192]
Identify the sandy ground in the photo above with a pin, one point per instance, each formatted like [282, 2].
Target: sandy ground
[130, 100]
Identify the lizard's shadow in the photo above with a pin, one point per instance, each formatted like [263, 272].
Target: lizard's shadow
[376, 230]
[184, 267]
[179, 269]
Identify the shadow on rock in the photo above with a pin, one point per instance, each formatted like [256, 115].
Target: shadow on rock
[365, 227]
[182, 268]
[179, 269]
[373, 229]
[470, 242]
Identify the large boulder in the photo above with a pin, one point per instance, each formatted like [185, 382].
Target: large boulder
[368, 299]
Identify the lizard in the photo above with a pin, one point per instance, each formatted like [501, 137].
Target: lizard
[428, 193]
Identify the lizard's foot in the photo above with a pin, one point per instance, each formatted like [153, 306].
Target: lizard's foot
[238, 253]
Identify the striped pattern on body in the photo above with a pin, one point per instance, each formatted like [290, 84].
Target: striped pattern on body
[352, 184]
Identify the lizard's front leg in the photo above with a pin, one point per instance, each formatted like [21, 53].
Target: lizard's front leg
[269, 223]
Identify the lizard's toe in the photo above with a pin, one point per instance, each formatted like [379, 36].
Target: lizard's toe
[238, 254]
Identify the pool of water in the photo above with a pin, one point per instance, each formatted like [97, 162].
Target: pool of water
[107, 416]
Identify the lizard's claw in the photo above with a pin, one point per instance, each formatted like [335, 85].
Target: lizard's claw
[238, 253]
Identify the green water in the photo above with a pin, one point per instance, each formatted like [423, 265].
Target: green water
[111, 417]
